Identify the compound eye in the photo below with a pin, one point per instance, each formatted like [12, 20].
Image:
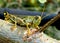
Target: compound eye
[5, 14]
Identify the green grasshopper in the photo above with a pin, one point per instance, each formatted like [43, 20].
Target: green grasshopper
[28, 21]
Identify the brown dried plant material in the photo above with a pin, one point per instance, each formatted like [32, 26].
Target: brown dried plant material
[50, 22]
[13, 28]
[5, 28]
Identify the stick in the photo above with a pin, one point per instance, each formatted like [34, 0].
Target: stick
[49, 23]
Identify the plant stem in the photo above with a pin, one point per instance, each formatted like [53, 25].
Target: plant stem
[49, 23]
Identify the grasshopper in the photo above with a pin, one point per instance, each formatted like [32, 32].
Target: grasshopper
[28, 21]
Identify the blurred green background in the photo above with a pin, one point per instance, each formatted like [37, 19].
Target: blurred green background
[34, 5]
[49, 6]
